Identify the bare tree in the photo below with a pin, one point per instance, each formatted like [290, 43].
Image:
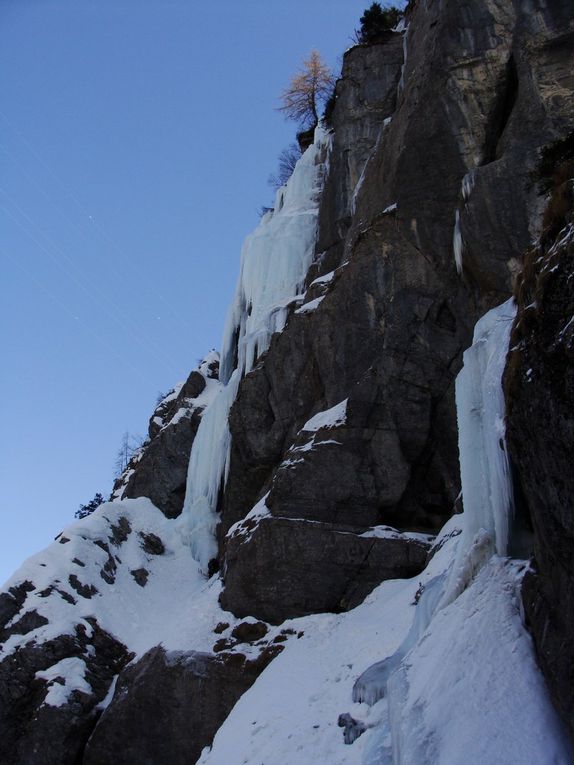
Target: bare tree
[129, 445]
[287, 161]
[307, 91]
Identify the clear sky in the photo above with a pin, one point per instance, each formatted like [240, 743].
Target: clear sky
[136, 139]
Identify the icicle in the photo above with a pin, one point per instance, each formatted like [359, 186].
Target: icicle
[467, 185]
[401, 85]
[484, 466]
[457, 242]
[274, 262]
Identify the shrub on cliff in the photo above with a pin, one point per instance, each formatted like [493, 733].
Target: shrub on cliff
[287, 161]
[88, 509]
[377, 20]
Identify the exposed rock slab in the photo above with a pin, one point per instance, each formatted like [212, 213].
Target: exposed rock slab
[540, 400]
[32, 728]
[168, 706]
[158, 470]
[278, 568]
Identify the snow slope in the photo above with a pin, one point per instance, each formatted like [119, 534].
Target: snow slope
[140, 616]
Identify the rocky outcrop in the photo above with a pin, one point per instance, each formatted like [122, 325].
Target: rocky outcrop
[41, 719]
[158, 469]
[428, 237]
[337, 567]
[168, 706]
[65, 620]
[540, 401]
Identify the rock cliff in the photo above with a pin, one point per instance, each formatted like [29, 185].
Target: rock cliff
[318, 464]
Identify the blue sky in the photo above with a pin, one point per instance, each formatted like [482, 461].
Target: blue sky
[136, 139]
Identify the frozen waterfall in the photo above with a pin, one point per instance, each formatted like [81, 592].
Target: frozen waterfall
[274, 262]
[488, 503]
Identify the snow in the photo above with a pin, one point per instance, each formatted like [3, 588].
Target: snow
[71, 671]
[471, 691]
[173, 394]
[247, 525]
[139, 617]
[290, 714]
[388, 532]
[329, 418]
[274, 262]
[311, 305]
[182, 412]
[325, 279]
[390, 208]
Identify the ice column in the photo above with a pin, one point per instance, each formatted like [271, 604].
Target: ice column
[274, 262]
[486, 489]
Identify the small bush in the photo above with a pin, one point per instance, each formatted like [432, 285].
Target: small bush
[287, 161]
[376, 21]
[84, 510]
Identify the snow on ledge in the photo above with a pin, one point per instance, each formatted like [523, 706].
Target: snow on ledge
[329, 418]
[246, 526]
[72, 672]
[311, 305]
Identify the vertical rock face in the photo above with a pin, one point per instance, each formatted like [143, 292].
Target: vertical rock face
[183, 699]
[540, 396]
[366, 95]
[423, 227]
[158, 469]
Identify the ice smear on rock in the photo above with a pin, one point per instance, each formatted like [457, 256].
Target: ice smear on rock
[274, 262]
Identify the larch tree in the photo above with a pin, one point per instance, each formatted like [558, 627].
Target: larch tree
[308, 90]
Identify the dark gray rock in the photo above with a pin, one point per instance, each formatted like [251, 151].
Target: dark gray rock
[159, 469]
[83, 590]
[140, 575]
[36, 733]
[152, 544]
[168, 706]
[539, 384]
[249, 632]
[366, 96]
[11, 602]
[284, 568]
